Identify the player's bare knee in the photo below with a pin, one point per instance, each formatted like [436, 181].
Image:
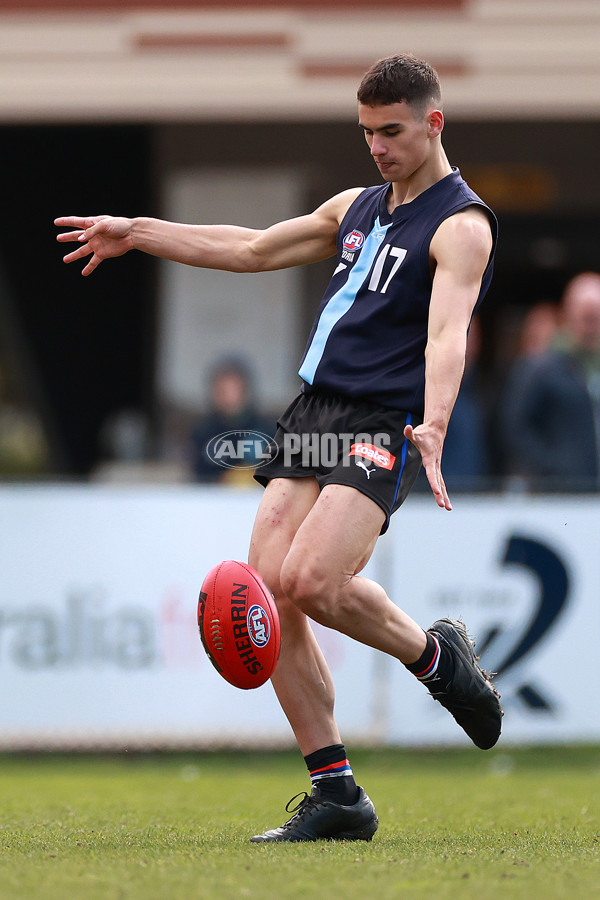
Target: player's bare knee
[308, 587]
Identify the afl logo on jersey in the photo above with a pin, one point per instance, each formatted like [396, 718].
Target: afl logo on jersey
[354, 240]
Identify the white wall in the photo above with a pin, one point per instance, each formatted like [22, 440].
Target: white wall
[99, 645]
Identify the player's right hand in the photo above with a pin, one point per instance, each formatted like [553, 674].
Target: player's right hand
[101, 237]
[429, 442]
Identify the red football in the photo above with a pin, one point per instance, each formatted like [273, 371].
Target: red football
[239, 624]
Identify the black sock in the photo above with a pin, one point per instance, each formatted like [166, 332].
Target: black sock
[435, 666]
[331, 775]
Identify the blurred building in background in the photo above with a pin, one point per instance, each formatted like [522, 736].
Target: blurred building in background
[245, 112]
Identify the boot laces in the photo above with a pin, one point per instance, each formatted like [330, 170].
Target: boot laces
[305, 807]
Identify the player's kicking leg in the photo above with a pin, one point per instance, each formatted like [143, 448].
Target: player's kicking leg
[320, 576]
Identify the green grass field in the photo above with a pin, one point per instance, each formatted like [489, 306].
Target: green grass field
[508, 823]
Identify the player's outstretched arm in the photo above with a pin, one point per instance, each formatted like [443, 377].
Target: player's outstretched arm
[461, 248]
[229, 247]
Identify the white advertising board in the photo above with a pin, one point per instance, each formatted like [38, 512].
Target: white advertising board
[525, 577]
[99, 644]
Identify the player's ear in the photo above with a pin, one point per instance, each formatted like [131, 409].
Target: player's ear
[435, 122]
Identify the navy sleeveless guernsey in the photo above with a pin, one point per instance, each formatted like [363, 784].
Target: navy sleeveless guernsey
[370, 333]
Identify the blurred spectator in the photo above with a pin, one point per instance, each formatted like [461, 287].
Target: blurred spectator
[538, 328]
[551, 409]
[465, 461]
[515, 340]
[232, 409]
[24, 451]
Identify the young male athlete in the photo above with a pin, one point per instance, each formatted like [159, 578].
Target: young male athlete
[381, 371]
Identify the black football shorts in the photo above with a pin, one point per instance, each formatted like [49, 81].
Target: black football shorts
[340, 440]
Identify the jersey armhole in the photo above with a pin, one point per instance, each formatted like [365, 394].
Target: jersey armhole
[466, 204]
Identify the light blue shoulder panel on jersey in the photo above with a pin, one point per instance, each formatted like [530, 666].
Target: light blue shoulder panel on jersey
[340, 302]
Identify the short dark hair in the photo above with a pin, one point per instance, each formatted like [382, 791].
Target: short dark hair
[400, 79]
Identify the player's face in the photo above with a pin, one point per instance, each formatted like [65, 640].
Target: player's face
[399, 142]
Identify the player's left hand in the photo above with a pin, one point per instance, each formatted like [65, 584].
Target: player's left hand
[429, 443]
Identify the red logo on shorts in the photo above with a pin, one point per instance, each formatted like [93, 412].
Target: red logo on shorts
[376, 455]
